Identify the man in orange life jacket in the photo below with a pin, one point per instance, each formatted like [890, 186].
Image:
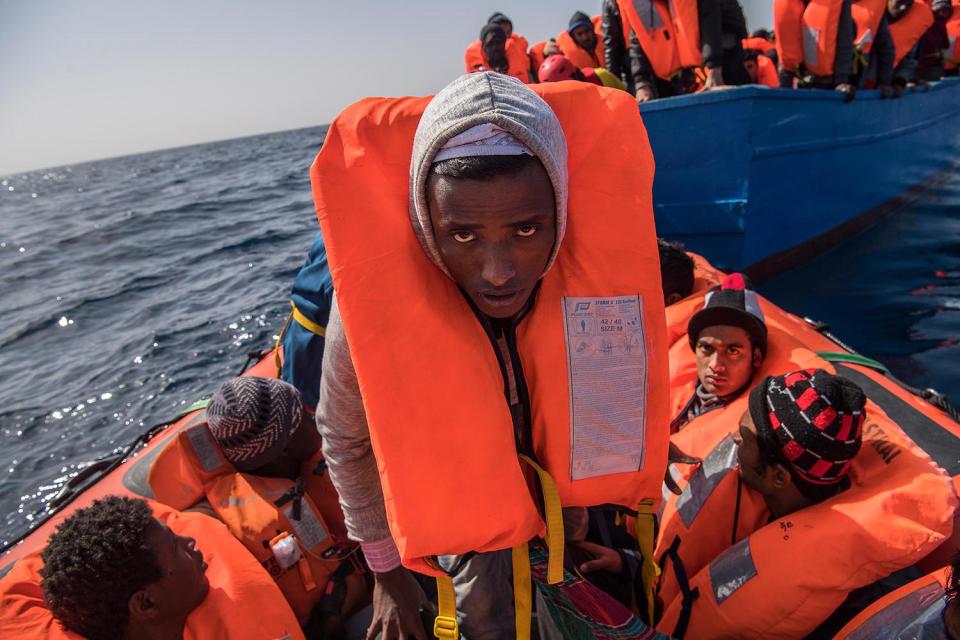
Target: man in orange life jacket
[798, 438]
[729, 338]
[584, 37]
[263, 429]
[112, 570]
[842, 61]
[951, 612]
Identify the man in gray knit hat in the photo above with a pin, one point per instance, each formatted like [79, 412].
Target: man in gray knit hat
[488, 196]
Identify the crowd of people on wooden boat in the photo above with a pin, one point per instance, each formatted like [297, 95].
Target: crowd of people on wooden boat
[503, 408]
[661, 48]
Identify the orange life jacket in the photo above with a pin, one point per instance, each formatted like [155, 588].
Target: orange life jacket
[191, 468]
[243, 602]
[909, 29]
[807, 34]
[668, 32]
[578, 55]
[952, 57]
[867, 15]
[760, 44]
[767, 72]
[782, 579]
[518, 64]
[915, 610]
[439, 424]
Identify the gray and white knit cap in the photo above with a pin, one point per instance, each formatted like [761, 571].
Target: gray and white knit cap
[253, 419]
[464, 105]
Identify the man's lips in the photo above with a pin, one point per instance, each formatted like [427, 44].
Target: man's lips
[499, 298]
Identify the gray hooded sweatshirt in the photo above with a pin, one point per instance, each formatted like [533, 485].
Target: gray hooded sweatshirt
[466, 102]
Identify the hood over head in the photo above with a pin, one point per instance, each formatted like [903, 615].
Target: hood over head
[480, 99]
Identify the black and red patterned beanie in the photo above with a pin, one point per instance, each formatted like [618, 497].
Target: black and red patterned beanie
[733, 303]
[252, 419]
[813, 420]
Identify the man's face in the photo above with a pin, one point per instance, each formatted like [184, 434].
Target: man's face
[183, 584]
[751, 66]
[495, 236]
[495, 42]
[585, 37]
[724, 359]
[944, 12]
[897, 8]
[754, 473]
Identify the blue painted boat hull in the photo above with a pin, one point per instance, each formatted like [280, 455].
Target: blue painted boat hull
[760, 179]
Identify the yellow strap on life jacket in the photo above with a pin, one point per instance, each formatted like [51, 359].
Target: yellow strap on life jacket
[645, 524]
[445, 625]
[306, 322]
[522, 590]
[554, 517]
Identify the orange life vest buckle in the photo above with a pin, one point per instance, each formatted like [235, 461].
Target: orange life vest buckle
[445, 627]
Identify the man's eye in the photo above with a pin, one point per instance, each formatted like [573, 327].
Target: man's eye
[526, 230]
[463, 236]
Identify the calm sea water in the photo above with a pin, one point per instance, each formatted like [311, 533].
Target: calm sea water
[132, 287]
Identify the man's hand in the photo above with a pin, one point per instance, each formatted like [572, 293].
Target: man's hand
[886, 91]
[397, 602]
[604, 558]
[644, 93]
[847, 89]
[677, 456]
[551, 49]
[714, 79]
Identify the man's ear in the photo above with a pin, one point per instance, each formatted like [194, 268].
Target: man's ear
[142, 606]
[781, 477]
[757, 357]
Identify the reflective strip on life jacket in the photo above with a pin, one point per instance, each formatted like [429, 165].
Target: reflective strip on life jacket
[653, 25]
[867, 15]
[908, 30]
[436, 397]
[807, 34]
[915, 610]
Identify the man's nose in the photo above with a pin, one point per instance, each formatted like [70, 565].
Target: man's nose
[498, 267]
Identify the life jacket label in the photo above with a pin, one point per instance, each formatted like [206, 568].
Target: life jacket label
[204, 447]
[918, 614]
[607, 365]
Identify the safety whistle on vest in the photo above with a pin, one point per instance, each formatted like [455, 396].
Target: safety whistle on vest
[286, 550]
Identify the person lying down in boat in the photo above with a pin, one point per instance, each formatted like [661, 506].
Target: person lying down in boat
[271, 489]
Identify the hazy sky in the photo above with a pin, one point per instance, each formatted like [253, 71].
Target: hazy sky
[88, 79]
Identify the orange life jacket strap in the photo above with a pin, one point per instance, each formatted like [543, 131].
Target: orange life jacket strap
[688, 595]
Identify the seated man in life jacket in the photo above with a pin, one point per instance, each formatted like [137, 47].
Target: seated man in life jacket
[760, 68]
[789, 450]
[579, 43]
[729, 338]
[496, 51]
[112, 570]
[676, 271]
[264, 432]
[302, 338]
[557, 68]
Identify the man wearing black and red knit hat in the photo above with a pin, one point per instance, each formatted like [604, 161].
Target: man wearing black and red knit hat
[798, 438]
[729, 339]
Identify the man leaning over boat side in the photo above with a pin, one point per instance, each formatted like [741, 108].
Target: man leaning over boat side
[488, 192]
